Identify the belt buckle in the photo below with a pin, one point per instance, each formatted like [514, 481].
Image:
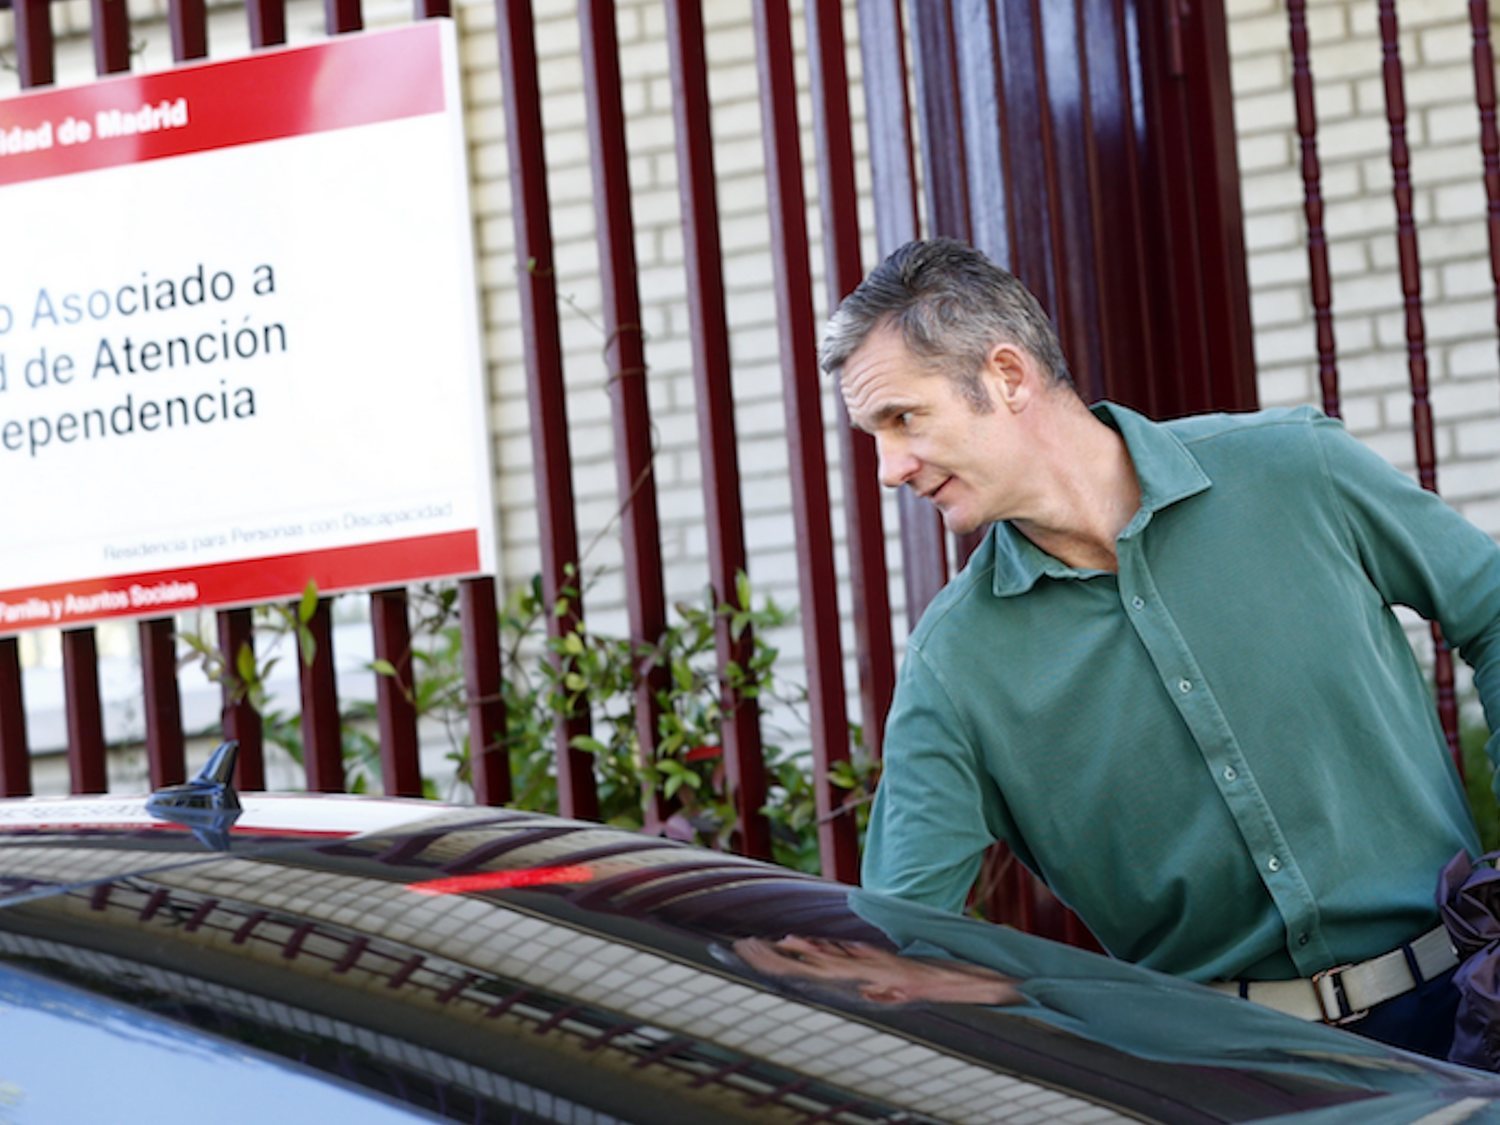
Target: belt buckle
[1328, 987]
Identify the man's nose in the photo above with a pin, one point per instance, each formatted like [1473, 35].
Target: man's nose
[897, 465]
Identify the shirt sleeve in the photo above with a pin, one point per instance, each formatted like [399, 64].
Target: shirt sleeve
[1421, 553]
[936, 809]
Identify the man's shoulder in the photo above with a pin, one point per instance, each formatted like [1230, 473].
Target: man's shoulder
[1282, 423]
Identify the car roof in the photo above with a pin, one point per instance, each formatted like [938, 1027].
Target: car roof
[473, 951]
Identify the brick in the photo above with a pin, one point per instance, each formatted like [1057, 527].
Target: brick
[1275, 307]
[1469, 398]
[1361, 413]
[1484, 515]
[1333, 101]
[1448, 43]
[1285, 386]
[1336, 57]
[1358, 136]
[1277, 268]
[1480, 437]
[1366, 294]
[1458, 320]
[1395, 445]
[1472, 358]
[1285, 345]
[1458, 123]
[1271, 32]
[1355, 334]
[1259, 112]
[1270, 150]
[1465, 480]
[1373, 371]
[1258, 73]
[1454, 202]
[1270, 191]
[1467, 279]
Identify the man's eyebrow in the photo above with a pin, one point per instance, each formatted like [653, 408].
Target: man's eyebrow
[889, 410]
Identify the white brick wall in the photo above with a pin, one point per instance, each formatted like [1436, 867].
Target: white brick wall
[1353, 146]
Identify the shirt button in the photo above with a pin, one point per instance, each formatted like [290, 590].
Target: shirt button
[1138, 602]
[1230, 773]
[1184, 686]
[1303, 939]
[1273, 864]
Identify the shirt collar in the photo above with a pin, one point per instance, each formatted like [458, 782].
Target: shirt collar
[1167, 473]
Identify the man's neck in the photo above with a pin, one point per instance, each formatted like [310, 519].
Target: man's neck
[1093, 493]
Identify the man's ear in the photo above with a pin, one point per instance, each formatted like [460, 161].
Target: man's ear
[1011, 375]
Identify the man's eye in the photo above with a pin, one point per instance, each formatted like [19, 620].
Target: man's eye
[904, 419]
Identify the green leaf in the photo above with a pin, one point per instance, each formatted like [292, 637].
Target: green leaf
[383, 668]
[244, 664]
[591, 745]
[309, 603]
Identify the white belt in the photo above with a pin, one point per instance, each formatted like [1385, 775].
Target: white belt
[1346, 992]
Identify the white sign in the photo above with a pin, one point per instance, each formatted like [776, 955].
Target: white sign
[239, 347]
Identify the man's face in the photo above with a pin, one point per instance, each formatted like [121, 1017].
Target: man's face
[930, 437]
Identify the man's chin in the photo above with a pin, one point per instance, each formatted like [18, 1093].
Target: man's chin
[959, 523]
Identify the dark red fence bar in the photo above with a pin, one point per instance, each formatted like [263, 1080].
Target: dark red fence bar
[1118, 193]
[36, 67]
[1312, 191]
[743, 756]
[267, 22]
[428, 9]
[165, 749]
[188, 22]
[882, 41]
[625, 357]
[396, 714]
[322, 730]
[111, 35]
[35, 55]
[923, 540]
[817, 581]
[943, 156]
[948, 152]
[577, 793]
[1489, 138]
[1416, 332]
[868, 583]
[86, 768]
[15, 753]
[342, 16]
[241, 721]
[1070, 159]
[983, 123]
[1226, 381]
[489, 763]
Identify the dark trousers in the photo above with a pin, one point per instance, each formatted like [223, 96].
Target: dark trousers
[1420, 1020]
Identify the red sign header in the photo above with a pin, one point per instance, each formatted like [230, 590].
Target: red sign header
[216, 105]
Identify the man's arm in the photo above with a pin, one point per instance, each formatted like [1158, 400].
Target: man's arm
[1421, 553]
[937, 808]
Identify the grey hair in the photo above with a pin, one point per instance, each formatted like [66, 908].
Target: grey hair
[951, 305]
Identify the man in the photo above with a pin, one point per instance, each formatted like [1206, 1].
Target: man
[1169, 677]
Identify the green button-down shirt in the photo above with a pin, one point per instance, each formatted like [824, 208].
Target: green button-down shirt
[1224, 755]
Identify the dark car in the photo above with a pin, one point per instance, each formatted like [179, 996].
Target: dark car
[319, 958]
